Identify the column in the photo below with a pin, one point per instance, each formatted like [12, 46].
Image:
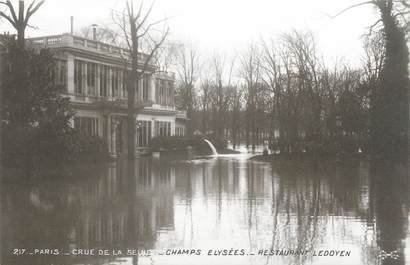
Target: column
[108, 132]
[109, 94]
[120, 83]
[84, 73]
[152, 88]
[70, 74]
[97, 80]
[153, 128]
[114, 135]
[173, 127]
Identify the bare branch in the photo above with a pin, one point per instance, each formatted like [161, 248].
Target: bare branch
[141, 23]
[147, 28]
[374, 25]
[9, 19]
[12, 11]
[351, 7]
[31, 10]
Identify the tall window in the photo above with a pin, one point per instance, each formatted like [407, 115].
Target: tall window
[137, 90]
[164, 92]
[157, 85]
[179, 131]
[125, 74]
[145, 86]
[78, 76]
[103, 80]
[161, 92]
[144, 133]
[91, 78]
[86, 125]
[162, 128]
[171, 93]
[62, 69]
[114, 82]
[59, 74]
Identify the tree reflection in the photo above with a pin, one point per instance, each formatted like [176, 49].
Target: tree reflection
[227, 202]
[390, 196]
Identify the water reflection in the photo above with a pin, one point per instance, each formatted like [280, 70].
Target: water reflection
[216, 203]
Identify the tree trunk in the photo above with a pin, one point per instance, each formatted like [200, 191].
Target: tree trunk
[132, 87]
[21, 27]
[390, 100]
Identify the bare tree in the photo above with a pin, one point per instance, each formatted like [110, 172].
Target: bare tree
[205, 93]
[236, 103]
[20, 21]
[166, 57]
[222, 92]
[272, 76]
[188, 67]
[305, 62]
[390, 99]
[250, 71]
[137, 30]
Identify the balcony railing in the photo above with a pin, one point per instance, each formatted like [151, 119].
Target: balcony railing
[118, 101]
[68, 40]
[181, 114]
[165, 75]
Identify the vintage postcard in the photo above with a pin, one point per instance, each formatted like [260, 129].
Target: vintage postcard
[175, 132]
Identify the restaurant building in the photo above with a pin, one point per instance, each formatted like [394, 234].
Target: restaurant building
[93, 73]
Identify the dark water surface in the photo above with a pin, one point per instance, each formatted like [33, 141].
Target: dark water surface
[211, 204]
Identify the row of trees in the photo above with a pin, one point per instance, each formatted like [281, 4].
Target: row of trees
[284, 92]
[278, 89]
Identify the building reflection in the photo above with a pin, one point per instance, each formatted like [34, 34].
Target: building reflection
[106, 212]
[164, 203]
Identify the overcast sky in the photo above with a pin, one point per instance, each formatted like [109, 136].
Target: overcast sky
[226, 25]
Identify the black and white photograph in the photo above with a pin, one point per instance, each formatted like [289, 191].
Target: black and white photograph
[204, 132]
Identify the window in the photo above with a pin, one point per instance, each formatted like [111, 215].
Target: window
[179, 131]
[145, 86]
[59, 73]
[114, 82]
[164, 92]
[162, 128]
[157, 85]
[125, 74]
[91, 78]
[63, 73]
[171, 93]
[103, 80]
[78, 76]
[86, 125]
[143, 133]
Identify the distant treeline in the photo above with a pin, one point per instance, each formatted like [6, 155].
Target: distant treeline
[284, 92]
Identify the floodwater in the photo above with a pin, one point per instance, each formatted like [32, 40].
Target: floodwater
[210, 210]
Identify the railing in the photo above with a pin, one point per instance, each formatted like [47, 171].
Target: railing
[71, 40]
[181, 114]
[122, 101]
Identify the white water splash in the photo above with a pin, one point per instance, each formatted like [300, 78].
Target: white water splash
[214, 152]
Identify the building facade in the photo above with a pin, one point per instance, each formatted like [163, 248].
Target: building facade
[93, 75]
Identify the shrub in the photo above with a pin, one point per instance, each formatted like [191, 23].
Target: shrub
[92, 146]
[181, 143]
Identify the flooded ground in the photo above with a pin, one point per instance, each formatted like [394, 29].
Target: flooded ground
[223, 209]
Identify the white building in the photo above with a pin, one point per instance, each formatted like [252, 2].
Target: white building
[93, 75]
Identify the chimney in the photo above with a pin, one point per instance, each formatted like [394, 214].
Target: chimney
[94, 32]
[72, 25]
